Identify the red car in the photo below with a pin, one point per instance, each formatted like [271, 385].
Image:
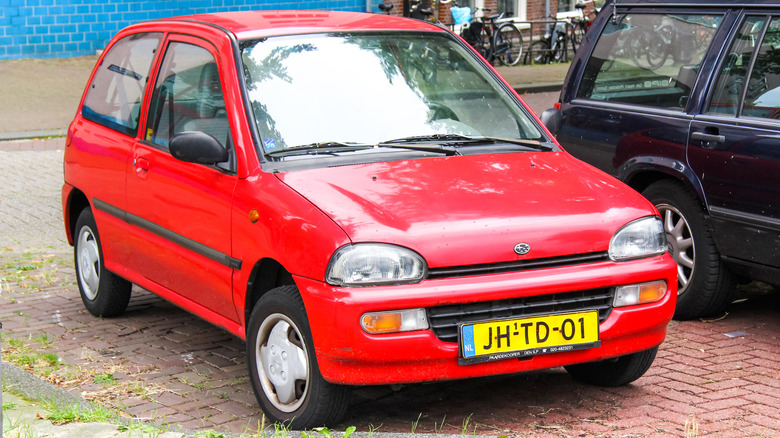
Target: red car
[360, 197]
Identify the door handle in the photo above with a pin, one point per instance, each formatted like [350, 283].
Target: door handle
[141, 166]
[708, 139]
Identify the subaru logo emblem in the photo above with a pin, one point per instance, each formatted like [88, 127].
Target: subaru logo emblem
[522, 248]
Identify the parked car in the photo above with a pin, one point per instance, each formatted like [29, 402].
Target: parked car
[363, 200]
[680, 100]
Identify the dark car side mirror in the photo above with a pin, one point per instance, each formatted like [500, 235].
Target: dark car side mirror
[197, 147]
[552, 119]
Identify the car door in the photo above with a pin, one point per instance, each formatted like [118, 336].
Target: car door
[101, 140]
[735, 144]
[181, 210]
[634, 90]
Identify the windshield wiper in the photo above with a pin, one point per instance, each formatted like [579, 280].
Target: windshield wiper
[325, 147]
[464, 139]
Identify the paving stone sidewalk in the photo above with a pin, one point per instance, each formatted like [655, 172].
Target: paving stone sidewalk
[712, 378]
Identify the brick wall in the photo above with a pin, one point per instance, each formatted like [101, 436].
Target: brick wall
[63, 28]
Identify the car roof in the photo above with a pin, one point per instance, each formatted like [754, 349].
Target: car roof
[259, 24]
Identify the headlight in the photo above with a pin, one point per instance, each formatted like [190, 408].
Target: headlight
[640, 238]
[371, 264]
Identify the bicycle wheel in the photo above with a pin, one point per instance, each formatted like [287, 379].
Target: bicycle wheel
[540, 52]
[646, 49]
[508, 43]
[485, 48]
[577, 34]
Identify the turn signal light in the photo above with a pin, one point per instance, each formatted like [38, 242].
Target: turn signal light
[643, 293]
[394, 321]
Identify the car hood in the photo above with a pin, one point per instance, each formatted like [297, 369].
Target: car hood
[474, 209]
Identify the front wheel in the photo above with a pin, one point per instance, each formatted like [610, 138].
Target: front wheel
[705, 285]
[509, 44]
[614, 372]
[283, 367]
[103, 293]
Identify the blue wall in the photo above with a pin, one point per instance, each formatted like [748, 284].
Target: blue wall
[63, 28]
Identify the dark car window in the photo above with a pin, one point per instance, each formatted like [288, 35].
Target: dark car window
[115, 94]
[187, 96]
[648, 59]
[729, 87]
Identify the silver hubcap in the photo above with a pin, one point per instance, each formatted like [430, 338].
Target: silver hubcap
[680, 240]
[89, 263]
[282, 363]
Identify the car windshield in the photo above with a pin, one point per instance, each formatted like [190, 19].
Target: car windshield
[351, 92]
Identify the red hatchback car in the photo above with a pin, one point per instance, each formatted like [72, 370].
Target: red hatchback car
[360, 197]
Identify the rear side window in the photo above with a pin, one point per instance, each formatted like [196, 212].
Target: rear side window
[742, 90]
[114, 97]
[648, 59]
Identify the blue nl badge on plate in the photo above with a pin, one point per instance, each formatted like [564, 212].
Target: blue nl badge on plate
[467, 336]
[269, 144]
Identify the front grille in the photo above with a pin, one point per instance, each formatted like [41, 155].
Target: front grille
[518, 265]
[445, 320]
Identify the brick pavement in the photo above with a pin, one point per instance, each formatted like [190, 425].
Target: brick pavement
[170, 367]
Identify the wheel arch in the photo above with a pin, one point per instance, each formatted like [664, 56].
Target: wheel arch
[641, 172]
[266, 275]
[76, 202]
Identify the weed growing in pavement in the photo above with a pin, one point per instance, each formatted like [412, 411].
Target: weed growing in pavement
[209, 434]
[44, 340]
[464, 429]
[691, 427]
[72, 413]
[372, 429]
[416, 423]
[438, 429]
[105, 379]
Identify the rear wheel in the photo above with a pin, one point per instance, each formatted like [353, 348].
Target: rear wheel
[705, 285]
[102, 292]
[509, 44]
[283, 367]
[614, 372]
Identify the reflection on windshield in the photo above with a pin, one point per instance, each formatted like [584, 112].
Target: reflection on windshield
[368, 88]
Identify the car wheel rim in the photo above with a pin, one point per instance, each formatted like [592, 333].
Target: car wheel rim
[88, 259]
[282, 363]
[680, 240]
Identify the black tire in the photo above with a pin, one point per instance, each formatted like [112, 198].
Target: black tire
[614, 372]
[705, 285]
[104, 293]
[283, 367]
[540, 52]
[509, 44]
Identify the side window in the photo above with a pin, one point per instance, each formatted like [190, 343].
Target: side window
[728, 88]
[759, 89]
[114, 97]
[187, 96]
[648, 59]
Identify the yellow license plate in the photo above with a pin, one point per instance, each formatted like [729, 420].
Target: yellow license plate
[523, 337]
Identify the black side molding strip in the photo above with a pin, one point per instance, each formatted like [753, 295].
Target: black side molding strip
[745, 218]
[190, 244]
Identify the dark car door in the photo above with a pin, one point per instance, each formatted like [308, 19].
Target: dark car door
[633, 92]
[735, 144]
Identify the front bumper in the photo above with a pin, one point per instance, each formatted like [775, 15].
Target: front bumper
[348, 355]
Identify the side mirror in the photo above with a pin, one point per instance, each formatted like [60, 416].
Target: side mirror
[197, 147]
[552, 119]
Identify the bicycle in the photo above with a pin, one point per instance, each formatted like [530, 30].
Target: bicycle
[552, 47]
[495, 39]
